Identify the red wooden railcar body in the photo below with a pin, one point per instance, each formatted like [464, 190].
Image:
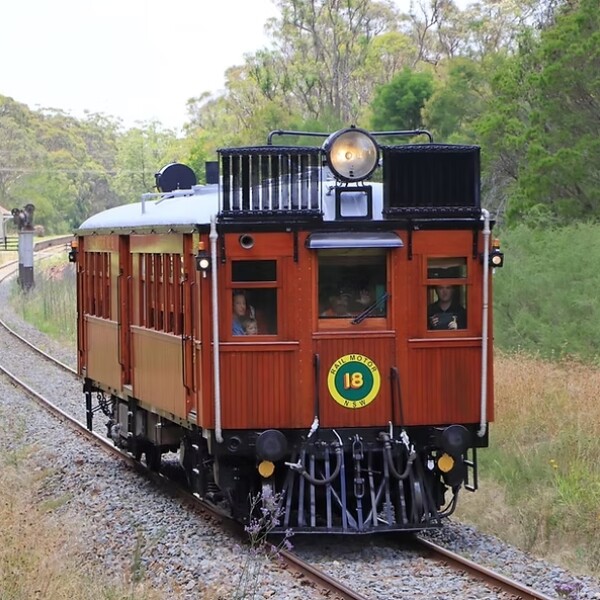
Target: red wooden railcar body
[346, 374]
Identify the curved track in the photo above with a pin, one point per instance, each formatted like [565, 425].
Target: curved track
[332, 587]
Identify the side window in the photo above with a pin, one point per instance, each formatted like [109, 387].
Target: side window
[254, 297]
[446, 293]
[352, 281]
[97, 284]
[160, 292]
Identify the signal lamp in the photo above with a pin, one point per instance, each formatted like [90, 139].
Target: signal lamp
[73, 251]
[496, 257]
[456, 439]
[202, 259]
[352, 154]
[271, 445]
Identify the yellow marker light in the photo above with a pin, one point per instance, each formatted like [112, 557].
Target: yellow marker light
[445, 463]
[74, 244]
[200, 246]
[266, 468]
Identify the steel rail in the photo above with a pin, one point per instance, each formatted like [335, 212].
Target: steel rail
[38, 350]
[483, 573]
[319, 577]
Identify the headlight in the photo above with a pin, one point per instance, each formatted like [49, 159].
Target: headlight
[352, 154]
[456, 439]
[271, 445]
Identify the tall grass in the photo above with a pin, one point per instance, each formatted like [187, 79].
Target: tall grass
[50, 305]
[6, 257]
[546, 295]
[540, 477]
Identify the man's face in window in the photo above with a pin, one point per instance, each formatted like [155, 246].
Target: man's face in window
[444, 293]
[340, 304]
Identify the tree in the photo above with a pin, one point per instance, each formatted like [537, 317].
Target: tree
[541, 127]
[322, 45]
[458, 99]
[398, 104]
[140, 153]
[20, 152]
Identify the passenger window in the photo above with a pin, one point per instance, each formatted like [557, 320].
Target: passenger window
[352, 281]
[254, 297]
[446, 294]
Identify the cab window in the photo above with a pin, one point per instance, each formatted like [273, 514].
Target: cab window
[254, 297]
[352, 281]
[446, 294]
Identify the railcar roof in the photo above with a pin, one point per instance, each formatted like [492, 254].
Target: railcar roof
[183, 207]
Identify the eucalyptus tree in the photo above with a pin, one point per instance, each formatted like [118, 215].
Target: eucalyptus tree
[541, 126]
[460, 93]
[321, 47]
[436, 29]
[141, 152]
[441, 29]
[20, 152]
[399, 104]
[84, 151]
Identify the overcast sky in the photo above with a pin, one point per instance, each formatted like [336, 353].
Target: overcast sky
[133, 59]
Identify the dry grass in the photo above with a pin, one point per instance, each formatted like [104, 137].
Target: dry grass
[40, 551]
[6, 257]
[540, 479]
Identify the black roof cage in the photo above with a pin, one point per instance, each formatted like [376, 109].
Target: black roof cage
[268, 181]
[431, 180]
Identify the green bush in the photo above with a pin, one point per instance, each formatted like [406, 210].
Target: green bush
[545, 297]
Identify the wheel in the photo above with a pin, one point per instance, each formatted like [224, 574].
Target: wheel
[137, 449]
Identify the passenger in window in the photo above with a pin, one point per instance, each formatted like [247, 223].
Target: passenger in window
[239, 312]
[250, 326]
[447, 312]
[339, 306]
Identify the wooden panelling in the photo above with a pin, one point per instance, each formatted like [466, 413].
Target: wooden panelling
[442, 243]
[156, 244]
[265, 245]
[259, 389]
[102, 243]
[157, 374]
[102, 352]
[380, 350]
[442, 383]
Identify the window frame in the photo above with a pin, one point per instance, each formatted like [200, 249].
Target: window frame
[247, 286]
[428, 294]
[344, 324]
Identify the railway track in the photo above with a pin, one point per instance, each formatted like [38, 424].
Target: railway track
[332, 586]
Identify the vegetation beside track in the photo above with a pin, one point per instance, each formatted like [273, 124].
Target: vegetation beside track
[42, 550]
